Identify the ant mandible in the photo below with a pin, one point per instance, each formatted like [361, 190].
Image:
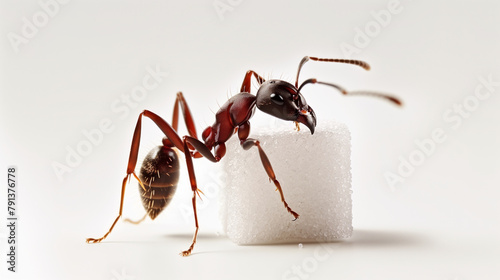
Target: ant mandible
[160, 169]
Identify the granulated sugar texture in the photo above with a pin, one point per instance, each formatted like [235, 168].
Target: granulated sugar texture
[315, 174]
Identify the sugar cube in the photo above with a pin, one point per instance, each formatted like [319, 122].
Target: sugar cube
[315, 175]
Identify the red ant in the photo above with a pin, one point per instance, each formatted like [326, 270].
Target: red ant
[160, 170]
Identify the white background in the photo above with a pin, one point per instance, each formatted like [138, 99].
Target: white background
[442, 222]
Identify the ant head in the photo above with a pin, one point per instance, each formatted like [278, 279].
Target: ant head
[282, 100]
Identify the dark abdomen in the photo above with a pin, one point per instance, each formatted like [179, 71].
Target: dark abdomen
[160, 175]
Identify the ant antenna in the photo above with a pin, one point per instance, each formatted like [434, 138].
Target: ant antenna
[359, 63]
[376, 94]
[345, 92]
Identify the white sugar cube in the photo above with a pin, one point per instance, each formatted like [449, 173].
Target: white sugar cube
[315, 175]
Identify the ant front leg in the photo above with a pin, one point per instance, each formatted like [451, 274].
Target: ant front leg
[134, 151]
[247, 143]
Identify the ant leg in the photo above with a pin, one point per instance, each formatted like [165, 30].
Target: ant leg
[247, 143]
[134, 151]
[138, 221]
[202, 149]
[194, 188]
[188, 117]
[97, 240]
[245, 87]
[220, 149]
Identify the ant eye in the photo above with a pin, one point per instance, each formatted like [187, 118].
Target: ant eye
[276, 98]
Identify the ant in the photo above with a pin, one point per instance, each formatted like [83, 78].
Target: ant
[159, 173]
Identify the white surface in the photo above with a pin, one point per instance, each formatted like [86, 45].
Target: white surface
[441, 223]
[314, 172]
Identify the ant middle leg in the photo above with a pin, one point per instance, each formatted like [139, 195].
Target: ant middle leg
[181, 102]
[246, 85]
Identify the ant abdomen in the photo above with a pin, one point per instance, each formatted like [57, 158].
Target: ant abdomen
[160, 175]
